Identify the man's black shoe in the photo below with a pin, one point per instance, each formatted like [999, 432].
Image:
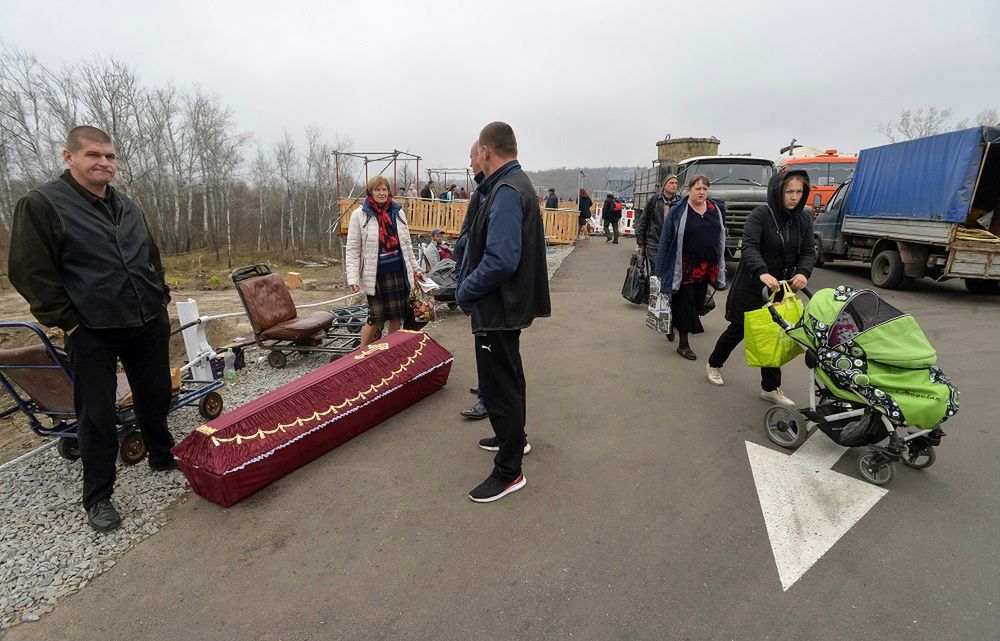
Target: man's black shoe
[476, 412]
[171, 464]
[491, 445]
[103, 517]
[493, 489]
[474, 390]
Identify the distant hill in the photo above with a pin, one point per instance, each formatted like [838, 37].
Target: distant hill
[596, 180]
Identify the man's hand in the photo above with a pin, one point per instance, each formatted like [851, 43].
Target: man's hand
[418, 275]
[799, 282]
[355, 289]
[640, 250]
[770, 281]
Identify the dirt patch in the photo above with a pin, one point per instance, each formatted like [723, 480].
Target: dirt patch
[213, 295]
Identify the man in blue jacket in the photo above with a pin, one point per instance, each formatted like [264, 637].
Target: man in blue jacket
[504, 286]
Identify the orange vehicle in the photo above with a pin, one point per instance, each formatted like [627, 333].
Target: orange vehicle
[826, 173]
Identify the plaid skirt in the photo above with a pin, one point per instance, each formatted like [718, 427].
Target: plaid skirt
[391, 299]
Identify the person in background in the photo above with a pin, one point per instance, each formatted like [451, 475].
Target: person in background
[647, 230]
[585, 204]
[552, 201]
[443, 246]
[462, 194]
[777, 245]
[411, 191]
[610, 214]
[690, 257]
[379, 259]
[449, 194]
[82, 255]
[427, 193]
[478, 411]
[503, 286]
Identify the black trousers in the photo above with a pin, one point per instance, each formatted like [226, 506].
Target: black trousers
[145, 356]
[770, 377]
[502, 388]
[610, 224]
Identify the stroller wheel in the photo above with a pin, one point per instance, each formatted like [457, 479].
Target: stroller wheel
[68, 448]
[784, 428]
[919, 457]
[875, 469]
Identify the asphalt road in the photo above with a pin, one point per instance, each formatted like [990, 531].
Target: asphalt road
[640, 519]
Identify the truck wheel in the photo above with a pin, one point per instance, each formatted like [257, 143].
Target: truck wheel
[887, 270]
[982, 286]
[819, 254]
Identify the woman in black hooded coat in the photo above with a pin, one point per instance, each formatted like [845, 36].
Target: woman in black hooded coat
[777, 245]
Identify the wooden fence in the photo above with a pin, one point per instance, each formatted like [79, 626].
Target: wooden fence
[426, 215]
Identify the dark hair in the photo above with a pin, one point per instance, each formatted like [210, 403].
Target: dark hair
[700, 178]
[799, 175]
[85, 133]
[499, 137]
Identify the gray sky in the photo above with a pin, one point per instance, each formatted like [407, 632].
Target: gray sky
[583, 83]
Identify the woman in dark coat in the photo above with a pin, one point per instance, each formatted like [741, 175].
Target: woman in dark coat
[777, 245]
[691, 257]
[585, 204]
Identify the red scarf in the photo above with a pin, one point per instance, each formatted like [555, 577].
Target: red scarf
[388, 238]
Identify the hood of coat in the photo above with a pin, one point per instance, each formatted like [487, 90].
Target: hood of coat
[775, 198]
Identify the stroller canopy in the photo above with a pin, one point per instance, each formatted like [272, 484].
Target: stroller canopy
[887, 335]
[869, 351]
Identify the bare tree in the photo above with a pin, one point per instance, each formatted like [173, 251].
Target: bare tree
[988, 117]
[916, 124]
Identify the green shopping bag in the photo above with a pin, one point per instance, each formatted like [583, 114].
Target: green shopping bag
[766, 344]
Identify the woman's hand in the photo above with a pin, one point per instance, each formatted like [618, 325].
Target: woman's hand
[419, 275]
[799, 282]
[355, 289]
[770, 281]
[640, 250]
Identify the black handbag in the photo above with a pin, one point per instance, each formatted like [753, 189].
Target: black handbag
[709, 303]
[636, 287]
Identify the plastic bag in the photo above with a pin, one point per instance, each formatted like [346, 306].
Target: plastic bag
[658, 314]
[765, 342]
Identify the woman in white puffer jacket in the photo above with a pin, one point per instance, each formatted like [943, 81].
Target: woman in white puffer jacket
[380, 260]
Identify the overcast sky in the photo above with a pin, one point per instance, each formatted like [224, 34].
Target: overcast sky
[582, 83]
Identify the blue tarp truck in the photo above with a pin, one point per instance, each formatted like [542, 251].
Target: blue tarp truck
[921, 208]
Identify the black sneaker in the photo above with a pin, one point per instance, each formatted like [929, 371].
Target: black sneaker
[103, 517]
[493, 489]
[492, 445]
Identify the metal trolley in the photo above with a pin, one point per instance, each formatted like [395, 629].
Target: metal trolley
[38, 381]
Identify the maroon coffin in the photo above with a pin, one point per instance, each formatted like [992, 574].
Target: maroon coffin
[242, 451]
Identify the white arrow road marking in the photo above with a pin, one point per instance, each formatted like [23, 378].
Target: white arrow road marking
[807, 507]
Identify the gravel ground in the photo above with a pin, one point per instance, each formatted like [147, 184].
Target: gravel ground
[48, 551]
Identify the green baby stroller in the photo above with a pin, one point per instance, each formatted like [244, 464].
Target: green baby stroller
[874, 376]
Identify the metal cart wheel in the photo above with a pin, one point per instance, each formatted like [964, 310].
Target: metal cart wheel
[875, 469]
[210, 406]
[277, 359]
[784, 428]
[920, 458]
[68, 448]
[133, 448]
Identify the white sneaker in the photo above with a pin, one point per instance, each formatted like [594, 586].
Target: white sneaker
[714, 375]
[777, 397]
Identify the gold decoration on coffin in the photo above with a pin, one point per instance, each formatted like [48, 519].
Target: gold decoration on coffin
[315, 416]
[374, 348]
